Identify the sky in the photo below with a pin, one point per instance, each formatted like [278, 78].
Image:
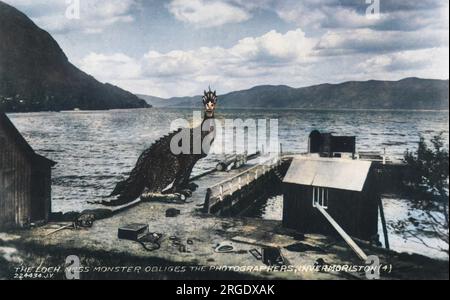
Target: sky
[180, 47]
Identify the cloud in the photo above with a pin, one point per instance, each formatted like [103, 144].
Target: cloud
[117, 66]
[94, 15]
[290, 58]
[250, 60]
[172, 64]
[435, 60]
[338, 14]
[247, 56]
[275, 47]
[372, 41]
[202, 13]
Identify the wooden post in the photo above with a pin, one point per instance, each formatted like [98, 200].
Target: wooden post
[343, 234]
[383, 223]
[206, 207]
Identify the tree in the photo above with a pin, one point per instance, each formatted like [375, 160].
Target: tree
[429, 178]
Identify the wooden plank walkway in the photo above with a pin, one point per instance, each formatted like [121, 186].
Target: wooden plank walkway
[234, 185]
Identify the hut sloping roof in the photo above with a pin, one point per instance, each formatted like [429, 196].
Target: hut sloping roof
[343, 174]
[12, 131]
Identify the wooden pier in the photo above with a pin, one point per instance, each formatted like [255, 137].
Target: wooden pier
[230, 193]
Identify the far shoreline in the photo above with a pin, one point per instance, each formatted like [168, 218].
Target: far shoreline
[241, 108]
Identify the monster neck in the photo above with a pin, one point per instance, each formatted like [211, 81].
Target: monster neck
[206, 118]
[210, 121]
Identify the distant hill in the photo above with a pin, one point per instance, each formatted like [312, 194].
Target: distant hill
[154, 101]
[409, 93]
[35, 74]
[172, 102]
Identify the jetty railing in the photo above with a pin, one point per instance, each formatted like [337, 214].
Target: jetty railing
[218, 192]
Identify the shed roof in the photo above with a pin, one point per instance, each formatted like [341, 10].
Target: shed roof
[343, 174]
[12, 131]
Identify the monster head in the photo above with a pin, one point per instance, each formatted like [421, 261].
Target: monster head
[209, 101]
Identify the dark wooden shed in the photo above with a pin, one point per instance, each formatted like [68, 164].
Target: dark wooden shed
[346, 188]
[328, 145]
[25, 180]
